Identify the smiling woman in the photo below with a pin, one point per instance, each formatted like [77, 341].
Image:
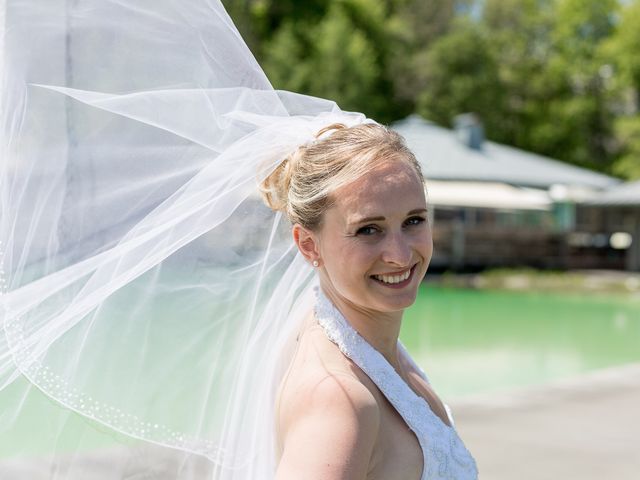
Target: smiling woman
[152, 309]
[351, 389]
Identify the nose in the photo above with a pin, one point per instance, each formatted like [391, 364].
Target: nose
[397, 250]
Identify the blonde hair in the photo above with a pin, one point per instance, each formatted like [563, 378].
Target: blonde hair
[301, 186]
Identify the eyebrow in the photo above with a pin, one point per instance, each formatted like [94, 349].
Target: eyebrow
[380, 219]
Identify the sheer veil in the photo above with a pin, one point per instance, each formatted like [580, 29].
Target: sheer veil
[149, 298]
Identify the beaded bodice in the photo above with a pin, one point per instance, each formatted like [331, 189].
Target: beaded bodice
[444, 454]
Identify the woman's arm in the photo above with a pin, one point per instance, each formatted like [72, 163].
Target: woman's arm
[330, 431]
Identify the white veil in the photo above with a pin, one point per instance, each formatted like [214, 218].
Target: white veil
[148, 296]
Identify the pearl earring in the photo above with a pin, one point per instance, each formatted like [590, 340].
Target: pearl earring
[315, 263]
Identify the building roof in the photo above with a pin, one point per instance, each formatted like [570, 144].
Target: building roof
[444, 157]
[626, 194]
[486, 195]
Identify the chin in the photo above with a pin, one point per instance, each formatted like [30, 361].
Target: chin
[395, 302]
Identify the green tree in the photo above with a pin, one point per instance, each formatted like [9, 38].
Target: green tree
[419, 24]
[258, 20]
[622, 51]
[343, 56]
[519, 37]
[461, 75]
[578, 108]
[531, 70]
[628, 133]
[557, 77]
[555, 100]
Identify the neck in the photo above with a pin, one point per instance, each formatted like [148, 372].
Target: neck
[379, 329]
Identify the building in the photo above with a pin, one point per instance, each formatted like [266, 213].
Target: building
[615, 213]
[495, 205]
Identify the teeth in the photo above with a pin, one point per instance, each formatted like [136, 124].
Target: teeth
[393, 278]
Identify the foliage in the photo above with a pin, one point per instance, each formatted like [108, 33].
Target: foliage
[461, 76]
[628, 131]
[556, 77]
[342, 56]
[621, 50]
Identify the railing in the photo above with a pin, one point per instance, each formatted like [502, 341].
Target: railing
[457, 247]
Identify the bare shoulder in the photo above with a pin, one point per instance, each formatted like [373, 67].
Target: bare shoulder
[329, 420]
[331, 431]
[321, 377]
[335, 393]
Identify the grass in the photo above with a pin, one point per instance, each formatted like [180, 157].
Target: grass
[529, 279]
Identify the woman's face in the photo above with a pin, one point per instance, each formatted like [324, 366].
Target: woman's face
[375, 242]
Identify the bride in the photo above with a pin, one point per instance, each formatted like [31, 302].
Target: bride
[152, 307]
[357, 203]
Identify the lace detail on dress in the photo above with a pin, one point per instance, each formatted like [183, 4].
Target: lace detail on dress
[444, 454]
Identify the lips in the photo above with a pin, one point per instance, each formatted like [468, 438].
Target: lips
[395, 279]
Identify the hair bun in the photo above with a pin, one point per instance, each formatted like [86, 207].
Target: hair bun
[275, 188]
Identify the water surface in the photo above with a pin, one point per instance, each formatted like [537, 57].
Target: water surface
[478, 341]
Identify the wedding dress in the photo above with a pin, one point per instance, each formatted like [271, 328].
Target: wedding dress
[444, 454]
[148, 299]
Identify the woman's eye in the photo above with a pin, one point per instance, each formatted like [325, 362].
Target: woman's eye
[415, 220]
[368, 230]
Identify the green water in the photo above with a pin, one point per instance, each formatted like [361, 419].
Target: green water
[474, 341]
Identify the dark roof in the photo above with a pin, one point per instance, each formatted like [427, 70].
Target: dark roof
[444, 157]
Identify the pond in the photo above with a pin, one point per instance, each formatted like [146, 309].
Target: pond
[478, 341]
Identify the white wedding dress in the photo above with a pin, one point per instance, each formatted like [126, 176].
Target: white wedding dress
[444, 454]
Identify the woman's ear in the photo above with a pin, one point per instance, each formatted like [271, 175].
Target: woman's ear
[307, 242]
